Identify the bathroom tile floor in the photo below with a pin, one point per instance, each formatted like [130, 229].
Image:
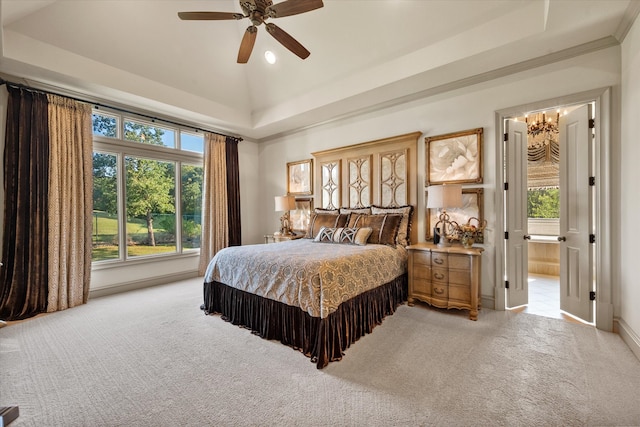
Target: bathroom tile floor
[544, 298]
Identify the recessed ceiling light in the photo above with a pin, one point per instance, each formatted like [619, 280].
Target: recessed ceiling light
[270, 57]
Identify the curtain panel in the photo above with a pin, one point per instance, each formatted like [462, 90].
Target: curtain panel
[23, 278]
[70, 202]
[48, 204]
[220, 197]
[215, 232]
[233, 192]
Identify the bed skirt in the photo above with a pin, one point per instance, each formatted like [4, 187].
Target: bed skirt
[323, 340]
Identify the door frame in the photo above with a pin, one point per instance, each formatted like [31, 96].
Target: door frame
[602, 153]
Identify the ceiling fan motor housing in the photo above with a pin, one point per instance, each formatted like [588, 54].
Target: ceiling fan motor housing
[259, 6]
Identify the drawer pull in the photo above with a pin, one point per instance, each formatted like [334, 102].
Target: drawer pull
[438, 291]
[439, 276]
[438, 261]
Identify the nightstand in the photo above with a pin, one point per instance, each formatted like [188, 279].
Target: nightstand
[276, 238]
[445, 277]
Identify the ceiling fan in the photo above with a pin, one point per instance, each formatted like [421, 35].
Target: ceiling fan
[258, 11]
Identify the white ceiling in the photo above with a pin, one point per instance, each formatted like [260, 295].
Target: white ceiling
[365, 54]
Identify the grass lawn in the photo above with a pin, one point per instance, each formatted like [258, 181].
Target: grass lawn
[105, 235]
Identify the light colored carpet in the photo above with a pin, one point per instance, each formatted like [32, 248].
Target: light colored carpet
[152, 358]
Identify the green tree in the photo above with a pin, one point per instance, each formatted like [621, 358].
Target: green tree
[105, 191]
[150, 190]
[150, 183]
[543, 203]
[105, 183]
[192, 189]
[105, 126]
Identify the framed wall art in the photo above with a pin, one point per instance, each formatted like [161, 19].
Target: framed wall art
[454, 158]
[299, 217]
[472, 207]
[300, 177]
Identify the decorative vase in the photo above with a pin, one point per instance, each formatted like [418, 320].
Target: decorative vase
[468, 239]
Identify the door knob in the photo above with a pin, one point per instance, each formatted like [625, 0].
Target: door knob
[562, 239]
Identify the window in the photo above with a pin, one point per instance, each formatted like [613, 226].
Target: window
[147, 191]
[543, 210]
[543, 203]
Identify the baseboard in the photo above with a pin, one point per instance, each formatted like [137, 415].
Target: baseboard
[8, 414]
[628, 336]
[488, 302]
[141, 284]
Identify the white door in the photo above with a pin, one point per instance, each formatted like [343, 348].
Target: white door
[516, 216]
[576, 204]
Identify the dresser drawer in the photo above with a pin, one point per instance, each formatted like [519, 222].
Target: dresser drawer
[439, 260]
[460, 293]
[461, 277]
[421, 287]
[421, 257]
[440, 291]
[440, 275]
[460, 262]
[421, 271]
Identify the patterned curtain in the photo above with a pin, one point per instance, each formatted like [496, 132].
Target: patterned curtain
[215, 210]
[23, 278]
[70, 202]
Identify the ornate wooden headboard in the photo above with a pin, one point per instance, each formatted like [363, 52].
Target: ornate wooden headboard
[381, 172]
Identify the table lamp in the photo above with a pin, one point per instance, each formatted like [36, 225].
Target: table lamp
[285, 204]
[443, 197]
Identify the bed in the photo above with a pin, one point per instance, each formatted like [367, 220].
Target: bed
[317, 298]
[321, 293]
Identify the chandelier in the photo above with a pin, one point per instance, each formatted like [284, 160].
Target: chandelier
[543, 125]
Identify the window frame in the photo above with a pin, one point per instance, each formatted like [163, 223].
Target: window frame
[121, 148]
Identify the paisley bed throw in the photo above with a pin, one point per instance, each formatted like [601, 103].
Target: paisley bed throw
[316, 277]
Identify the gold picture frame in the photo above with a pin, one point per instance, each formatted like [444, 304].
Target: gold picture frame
[472, 207]
[300, 177]
[454, 158]
[300, 216]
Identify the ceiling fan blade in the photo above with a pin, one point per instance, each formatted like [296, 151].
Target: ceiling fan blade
[248, 40]
[287, 41]
[292, 7]
[209, 16]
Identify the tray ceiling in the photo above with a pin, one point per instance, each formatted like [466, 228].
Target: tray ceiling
[364, 54]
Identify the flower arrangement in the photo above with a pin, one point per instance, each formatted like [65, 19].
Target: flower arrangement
[468, 233]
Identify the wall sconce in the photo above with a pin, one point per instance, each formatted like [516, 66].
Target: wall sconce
[443, 197]
[285, 204]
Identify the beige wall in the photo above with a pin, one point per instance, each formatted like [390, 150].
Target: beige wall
[457, 110]
[629, 296]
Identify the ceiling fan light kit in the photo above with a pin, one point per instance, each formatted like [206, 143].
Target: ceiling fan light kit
[258, 11]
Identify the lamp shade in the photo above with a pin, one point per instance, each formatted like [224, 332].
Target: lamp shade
[444, 196]
[285, 203]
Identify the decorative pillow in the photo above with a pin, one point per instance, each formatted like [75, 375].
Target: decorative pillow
[327, 211]
[319, 220]
[352, 236]
[326, 234]
[355, 210]
[404, 232]
[384, 226]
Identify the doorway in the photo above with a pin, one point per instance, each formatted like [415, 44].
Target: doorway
[512, 261]
[543, 211]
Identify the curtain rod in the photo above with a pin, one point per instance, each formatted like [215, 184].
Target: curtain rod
[122, 110]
